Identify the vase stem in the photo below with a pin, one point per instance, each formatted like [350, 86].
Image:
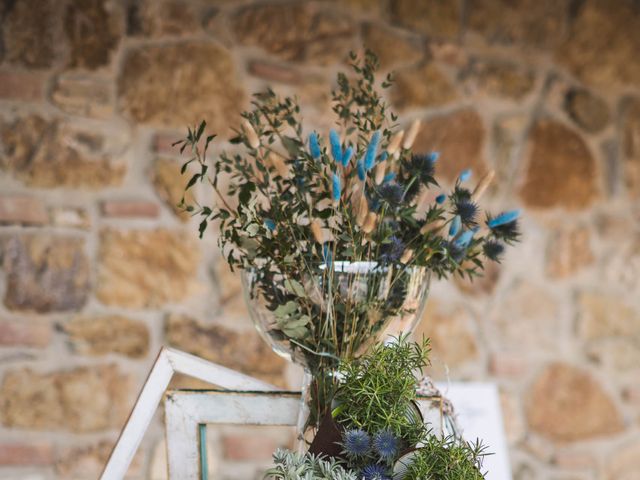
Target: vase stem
[303, 411]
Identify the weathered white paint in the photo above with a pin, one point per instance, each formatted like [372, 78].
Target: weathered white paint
[168, 362]
[186, 410]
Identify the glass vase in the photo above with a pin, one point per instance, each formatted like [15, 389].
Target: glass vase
[319, 316]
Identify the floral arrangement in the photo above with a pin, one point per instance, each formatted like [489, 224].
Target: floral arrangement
[340, 235]
[380, 433]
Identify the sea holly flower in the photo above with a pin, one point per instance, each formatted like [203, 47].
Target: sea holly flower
[467, 210]
[392, 193]
[385, 444]
[346, 158]
[375, 472]
[456, 223]
[493, 250]
[372, 151]
[356, 442]
[270, 224]
[336, 148]
[441, 198]
[465, 175]
[336, 188]
[314, 146]
[503, 218]
[393, 250]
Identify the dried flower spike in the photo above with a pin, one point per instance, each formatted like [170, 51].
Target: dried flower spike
[482, 186]
[394, 144]
[379, 173]
[250, 133]
[370, 222]
[411, 135]
[316, 231]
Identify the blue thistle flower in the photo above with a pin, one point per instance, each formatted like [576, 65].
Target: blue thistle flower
[372, 151]
[385, 444]
[465, 238]
[362, 171]
[375, 472]
[465, 175]
[455, 226]
[503, 218]
[388, 177]
[441, 198]
[346, 158]
[467, 210]
[493, 250]
[314, 146]
[356, 442]
[270, 224]
[336, 148]
[393, 250]
[337, 188]
[392, 193]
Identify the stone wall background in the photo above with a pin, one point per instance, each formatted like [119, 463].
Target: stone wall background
[98, 269]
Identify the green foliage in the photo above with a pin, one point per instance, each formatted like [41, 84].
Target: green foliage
[297, 466]
[446, 459]
[377, 391]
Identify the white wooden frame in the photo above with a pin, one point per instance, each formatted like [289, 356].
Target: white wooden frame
[187, 412]
[168, 362]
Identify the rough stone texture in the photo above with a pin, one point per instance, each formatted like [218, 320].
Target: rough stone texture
[587, 110]
[241, 350]
[169, 185]
[85, 95]
[157, 85]
[391, 48]
[156, 18]
[561, 170]
[71, 217]
[459, 137]
[631, 145]
[45, 273]
[27, 333]
[624, 463]
[499, 78]
[28, 39]
[443, 325]
[507, 134]
[93, 29]
[22, 210]
[21, 86]
[295, 32]
[617, 354]
[275, 72]
[436, 18]
[44, 153]
[130, 209]
[87, 461]
[26, 455]
[568, 251]
[248, 446]
[530, 22]
[483, 285]
[566, 404]
[85, 399]
[141, 268]
[603, 315]
[113, 333]
[526, 319]
[229, 287]
[423, 86]
[602, 43]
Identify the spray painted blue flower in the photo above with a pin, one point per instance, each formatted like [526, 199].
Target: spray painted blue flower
[336, 148]
[356, 442]
[434, 156]
[465, 238]
[314, 146]
[346, 158]
[337, 188]
[441, 198]
[456, 223]
[372, 151]
[385, 444]
[270, 224]
[383, 156]
[465, 175]
[375, 472]
[503, 218]
[362, 172]
[327, 256]
[389, 177]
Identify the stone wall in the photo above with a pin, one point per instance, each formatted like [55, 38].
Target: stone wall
[98, 269]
